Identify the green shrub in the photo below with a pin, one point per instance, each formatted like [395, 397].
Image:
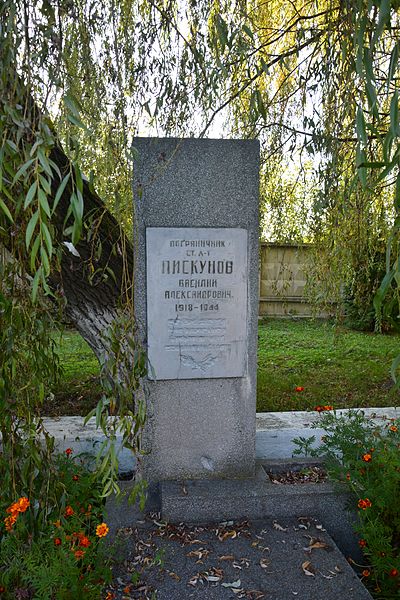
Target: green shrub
[51, 550]
[365, 457]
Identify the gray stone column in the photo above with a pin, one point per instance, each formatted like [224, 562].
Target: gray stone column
[193, 197]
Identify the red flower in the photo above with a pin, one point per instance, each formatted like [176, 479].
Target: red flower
[68, 451]
[75, 477]
[57, 541]
[299, 388]
[393, 428]
[84, 541]
[393, 573]
[69, 511]
[362, 543]
[79, 554]
[348, 477]
[364, 504]
[367, 457]
[366, 573]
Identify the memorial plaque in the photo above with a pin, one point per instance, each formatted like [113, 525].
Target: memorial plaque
[196, 302]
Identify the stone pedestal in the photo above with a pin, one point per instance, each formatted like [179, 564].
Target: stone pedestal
[196, 303]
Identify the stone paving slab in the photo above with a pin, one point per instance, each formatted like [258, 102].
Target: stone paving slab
[271, 559]
[274, 435]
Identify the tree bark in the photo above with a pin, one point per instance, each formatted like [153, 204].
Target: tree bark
[94, 286]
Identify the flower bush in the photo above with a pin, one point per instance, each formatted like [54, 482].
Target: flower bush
[55, 550]
[364, 455]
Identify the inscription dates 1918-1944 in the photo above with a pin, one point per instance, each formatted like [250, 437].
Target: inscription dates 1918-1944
[196, 302]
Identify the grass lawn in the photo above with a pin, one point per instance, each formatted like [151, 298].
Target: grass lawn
[334, 365]
[79, 389]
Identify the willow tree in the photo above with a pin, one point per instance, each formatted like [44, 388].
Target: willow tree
[314, 80]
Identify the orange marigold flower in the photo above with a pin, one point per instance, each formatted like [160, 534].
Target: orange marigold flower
[68, 451]
[367, 457]
[366, 573]
[13, 509]
[393, 573]
[102, 530]
[9, 521]
[393, 428]
[23, 504]
[362, 543]
[299, 388]
[79, 554]
[84, 541]
[57, 541]
[364, 503]
[127, 589]
[328, 407]
[69, 511]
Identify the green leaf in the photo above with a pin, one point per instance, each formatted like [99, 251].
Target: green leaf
[78, 179]
[30, 228]
[43, 202]
[45, 261]
[249, 32]
[222, 30]
[44, 162]
[34, 252]
[47, 237]
[60, 191]
[360, 126]
[45, 184]
[22, 170]
[397, 193]
[372, 98]
[361, 170]
[383, 20]
[30, 195]
[394, 367]
[394, 114]
[35, 284]
[77, 205]
[5, 210]
[75, 121]
[394, 58]
[383, 288]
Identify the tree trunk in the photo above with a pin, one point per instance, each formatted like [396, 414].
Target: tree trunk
[95, 282]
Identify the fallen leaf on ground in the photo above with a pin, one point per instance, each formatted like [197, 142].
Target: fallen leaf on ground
[308, 569]
[199, 554]
[233, 584]
[264, 562]
[278, 527]
[227, 557]
[227, 535]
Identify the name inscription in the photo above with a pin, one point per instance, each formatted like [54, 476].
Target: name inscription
[196, 302]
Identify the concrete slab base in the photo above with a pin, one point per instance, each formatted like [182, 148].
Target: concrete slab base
[201, 501]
